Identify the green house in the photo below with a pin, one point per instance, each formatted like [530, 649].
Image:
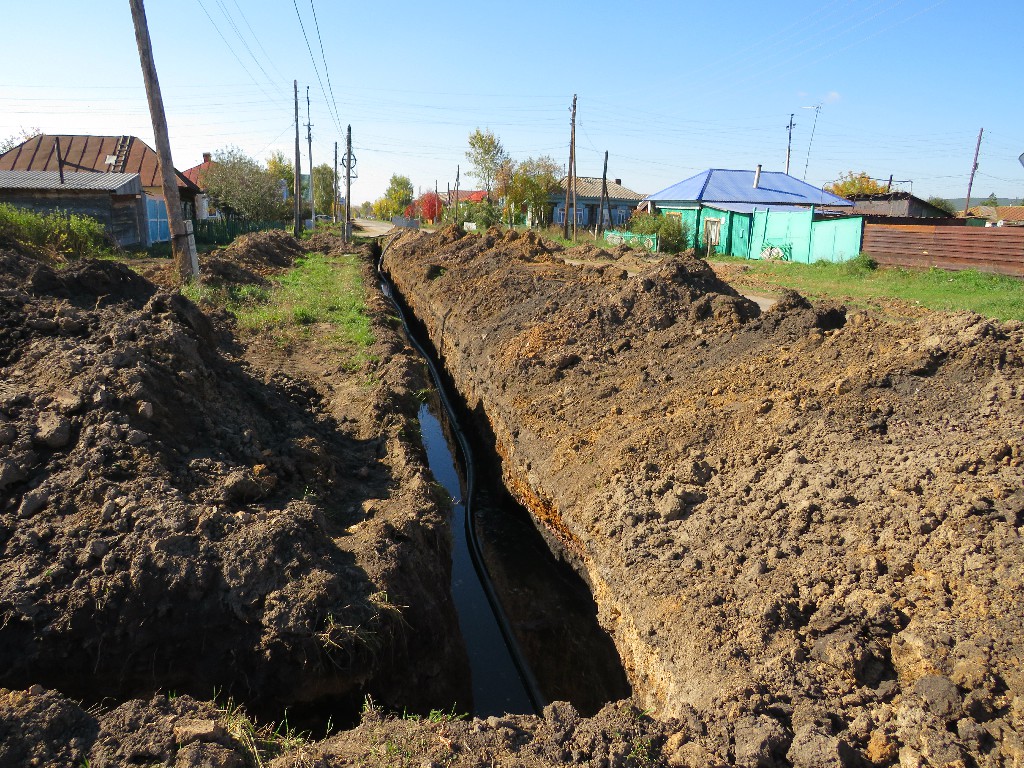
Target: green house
[755, 214]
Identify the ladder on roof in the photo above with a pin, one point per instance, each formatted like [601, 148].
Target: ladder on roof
[121, 150]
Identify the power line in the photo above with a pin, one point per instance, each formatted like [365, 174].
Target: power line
[312, 58]
[238, 34]
[327, 71]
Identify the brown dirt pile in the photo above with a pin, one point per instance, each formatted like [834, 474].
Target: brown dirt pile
[175, 518]
[803, 526]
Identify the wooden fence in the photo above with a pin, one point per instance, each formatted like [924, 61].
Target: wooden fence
[987, 249]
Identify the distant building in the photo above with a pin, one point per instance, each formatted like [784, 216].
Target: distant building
[114, 199]
[896, 205]
[999, 215]
[106, 154]
[755, 214]
[620, 206]
[204, 208]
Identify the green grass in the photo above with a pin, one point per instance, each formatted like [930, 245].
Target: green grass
[862, 283]
[318, 290]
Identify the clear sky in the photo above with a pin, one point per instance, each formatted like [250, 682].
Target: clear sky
[668, 88]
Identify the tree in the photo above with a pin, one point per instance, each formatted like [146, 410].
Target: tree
[18, 138]
[487, 156]
[241, 186]
[529, 185]
[852, 183]
[944, 204]
[366, 209]
[430, 205]
[281, 168]
[323, 188]
[991, 200]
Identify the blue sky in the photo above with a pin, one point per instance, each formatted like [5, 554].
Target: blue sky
[668, 88]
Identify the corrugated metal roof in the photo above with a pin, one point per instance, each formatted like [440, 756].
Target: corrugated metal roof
[589, 186]
[116, 183]
[717, 185]
[89, 153]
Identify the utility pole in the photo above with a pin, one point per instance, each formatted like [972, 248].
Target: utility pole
[974, 168]
[334, 207]
[309, 138]
[297, 191]
[814, 125]
[569, 177]
[457, 170]
[348, 184]
[599, 227]
[182, 241]
[789, 144]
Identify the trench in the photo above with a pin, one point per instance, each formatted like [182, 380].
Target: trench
[528, 619]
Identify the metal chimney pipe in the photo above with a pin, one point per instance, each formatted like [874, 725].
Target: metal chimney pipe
[757, 176]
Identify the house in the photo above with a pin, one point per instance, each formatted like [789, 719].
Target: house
[105, 154]
[466, 196]
[760, 214]
[999, 215]
[114, 199]
[620, 206]
[204, 208]
[896, 205]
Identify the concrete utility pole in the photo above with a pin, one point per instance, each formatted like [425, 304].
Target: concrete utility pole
[974, 168]
[569, 177]
[348, 184]
[457, 169]
[599, 226]
[182, 241]
[309, 138]
[334, 208]
[789, 144]
[298, 170]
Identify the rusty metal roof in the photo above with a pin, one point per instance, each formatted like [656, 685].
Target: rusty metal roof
[590, 186]
[116, 183]
[99, 154]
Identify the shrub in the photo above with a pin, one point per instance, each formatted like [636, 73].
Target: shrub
[673, 235]
[59, 234]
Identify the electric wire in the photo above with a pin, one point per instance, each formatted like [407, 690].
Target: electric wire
[327, 71]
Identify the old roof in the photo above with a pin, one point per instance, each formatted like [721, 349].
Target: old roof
[589, 186]
[1014, 213]
[718, 185]
[101, 154]
[196, 172]
[115, 183]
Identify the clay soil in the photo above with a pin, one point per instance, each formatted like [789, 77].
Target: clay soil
[802, 527]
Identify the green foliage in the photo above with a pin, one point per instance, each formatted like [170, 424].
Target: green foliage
[397, 197]
[944, 204]
[224, 231]
[992, 200]
[673, 236]
[484, 214]
[244, 188]
[487, 156]
[529, 184]
[323, 188]
[854, 183]
[366, 209]
[59, 234]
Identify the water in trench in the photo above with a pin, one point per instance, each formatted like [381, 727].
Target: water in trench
[528, 620]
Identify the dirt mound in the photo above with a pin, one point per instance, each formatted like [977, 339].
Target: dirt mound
[804, 525]
[165, 516]
[263, 252]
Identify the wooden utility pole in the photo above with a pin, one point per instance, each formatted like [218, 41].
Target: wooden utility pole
[457, 170]
[309, 138]
[569, 177]
[297, 191]
[334, 207]
[599, 227]
[60, 160]
[348, 184]
[974, 168]
[182, 242]
[789, 144]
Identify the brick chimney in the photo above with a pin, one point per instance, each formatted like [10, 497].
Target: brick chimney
[207, 157]
[619, 182]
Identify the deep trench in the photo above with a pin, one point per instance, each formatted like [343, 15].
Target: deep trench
[528, 619]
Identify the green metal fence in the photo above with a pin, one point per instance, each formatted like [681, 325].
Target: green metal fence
[634, 239]
[223, 231]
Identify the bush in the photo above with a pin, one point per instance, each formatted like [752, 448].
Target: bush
[60, 234]
[673, 236]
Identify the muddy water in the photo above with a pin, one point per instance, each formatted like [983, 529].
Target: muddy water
[528, 620]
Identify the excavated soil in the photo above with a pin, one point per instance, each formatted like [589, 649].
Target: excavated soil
[186, 510]
[802, 527]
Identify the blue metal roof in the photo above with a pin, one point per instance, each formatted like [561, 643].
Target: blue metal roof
[717, 185]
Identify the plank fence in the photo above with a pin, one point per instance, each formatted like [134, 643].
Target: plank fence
[986, 249]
